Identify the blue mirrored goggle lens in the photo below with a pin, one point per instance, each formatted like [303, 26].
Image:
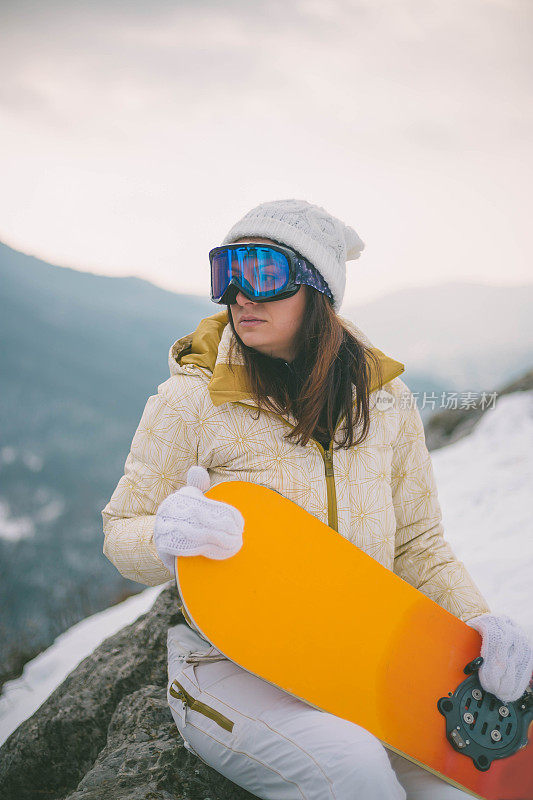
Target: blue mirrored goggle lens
[260, 271]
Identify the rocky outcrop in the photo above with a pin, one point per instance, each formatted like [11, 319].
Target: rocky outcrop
[446, 427]
[107, 732]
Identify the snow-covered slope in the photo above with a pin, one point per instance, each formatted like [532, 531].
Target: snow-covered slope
[22, 696]
[484, 483]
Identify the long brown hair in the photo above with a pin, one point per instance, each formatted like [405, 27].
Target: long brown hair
[331, 361]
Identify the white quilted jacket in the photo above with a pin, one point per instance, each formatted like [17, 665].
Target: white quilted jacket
[380, 495]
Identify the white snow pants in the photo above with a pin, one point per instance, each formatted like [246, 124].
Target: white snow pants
[276, 746]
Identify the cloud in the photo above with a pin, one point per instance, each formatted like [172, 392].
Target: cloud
[434, 70]
[134, 133]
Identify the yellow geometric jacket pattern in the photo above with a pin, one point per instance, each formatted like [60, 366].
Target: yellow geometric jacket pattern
[380, 495]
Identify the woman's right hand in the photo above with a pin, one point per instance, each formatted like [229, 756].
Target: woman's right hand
[188, 523]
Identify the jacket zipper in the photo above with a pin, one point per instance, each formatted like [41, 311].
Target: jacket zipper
[331, 491]
[327, 456]
[177, 690]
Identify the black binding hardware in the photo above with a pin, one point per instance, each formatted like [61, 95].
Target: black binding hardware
[481, 726]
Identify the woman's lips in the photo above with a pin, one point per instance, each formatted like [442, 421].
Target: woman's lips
[250, 322]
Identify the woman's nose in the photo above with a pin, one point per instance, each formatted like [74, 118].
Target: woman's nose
[241, 299]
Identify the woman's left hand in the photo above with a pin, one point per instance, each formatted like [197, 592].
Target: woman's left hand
[507, 656]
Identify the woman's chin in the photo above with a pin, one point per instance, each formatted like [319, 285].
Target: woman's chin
[249, 335]
[256, 340]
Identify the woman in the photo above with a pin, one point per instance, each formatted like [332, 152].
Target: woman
[279, 390]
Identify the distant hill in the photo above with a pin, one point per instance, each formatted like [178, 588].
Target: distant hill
[458, 336]
[80, 355]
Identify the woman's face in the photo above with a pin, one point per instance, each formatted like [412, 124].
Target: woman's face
[271, 328]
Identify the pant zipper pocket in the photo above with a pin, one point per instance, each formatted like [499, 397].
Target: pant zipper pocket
[177, 690]
[201, 656]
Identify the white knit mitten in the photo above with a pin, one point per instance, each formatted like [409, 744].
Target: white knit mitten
[507, 656]
[189, 524]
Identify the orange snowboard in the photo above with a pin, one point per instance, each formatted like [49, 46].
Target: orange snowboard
[298, 587]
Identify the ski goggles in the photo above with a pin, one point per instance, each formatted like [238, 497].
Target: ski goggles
[262, 272]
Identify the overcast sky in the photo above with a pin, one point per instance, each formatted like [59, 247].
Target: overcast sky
[133, 135]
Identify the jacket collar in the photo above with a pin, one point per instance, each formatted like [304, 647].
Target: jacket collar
[208, 349]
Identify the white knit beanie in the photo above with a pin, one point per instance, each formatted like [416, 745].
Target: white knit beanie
[326, 241]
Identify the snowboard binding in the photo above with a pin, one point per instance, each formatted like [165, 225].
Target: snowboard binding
[481, 726]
